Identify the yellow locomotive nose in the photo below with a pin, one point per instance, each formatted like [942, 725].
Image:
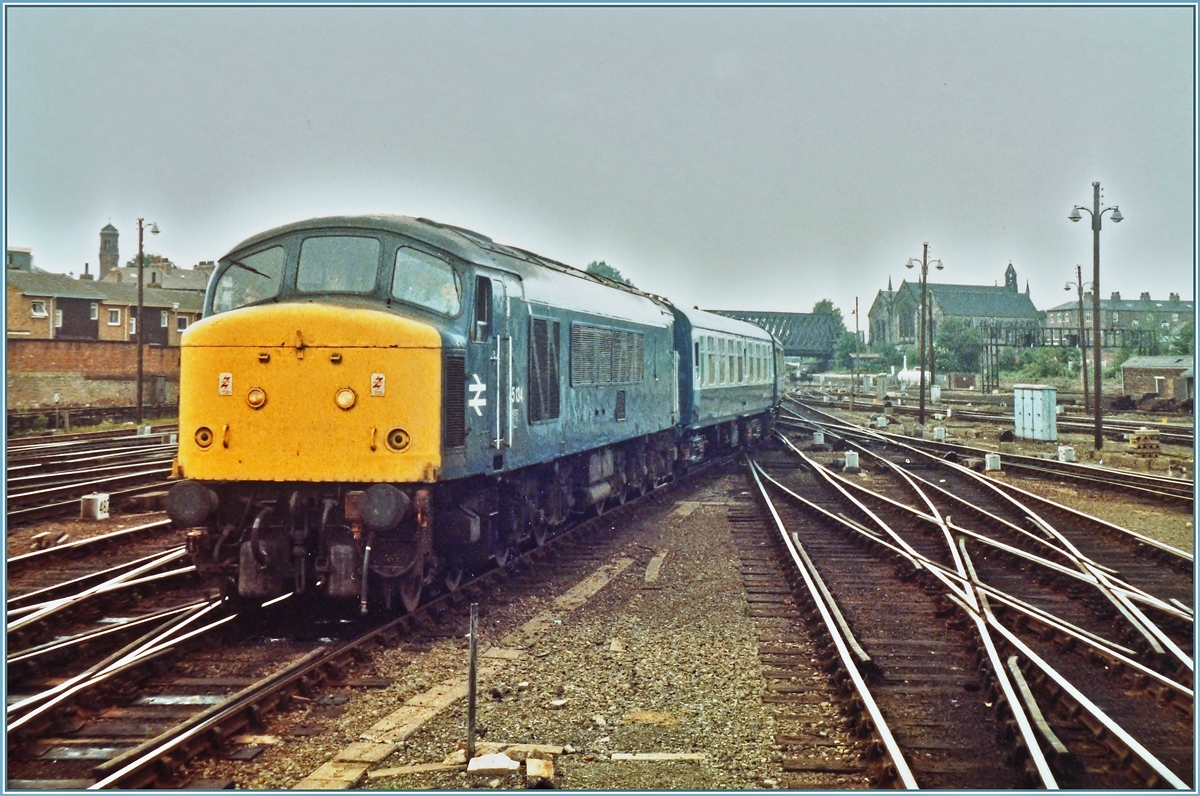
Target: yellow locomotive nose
[382, 371]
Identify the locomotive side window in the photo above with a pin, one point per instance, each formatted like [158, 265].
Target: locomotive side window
[426, 281]
[338, 264]
[250, 279]
[543, 370]
[482, 328]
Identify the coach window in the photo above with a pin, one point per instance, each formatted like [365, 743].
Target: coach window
[481, 329]
[426, 281]
[249, 279]
[338, 264]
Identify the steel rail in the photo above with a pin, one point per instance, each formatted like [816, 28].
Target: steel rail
[1109, 725]
[1067, 467]
[85, 484]
[16, 562]
[60, 604]
[15, 442]
[1120, 589]
[68, 642]
[21, 602]
[1154, 637]
[1041, 768]
[1115, 653]
[151, 647]
[899, 764]
[908, 444]
[16, 516]
[1128, 742]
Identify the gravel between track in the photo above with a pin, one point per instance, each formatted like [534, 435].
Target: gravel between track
[670, 666]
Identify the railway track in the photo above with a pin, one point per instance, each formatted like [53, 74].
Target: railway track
[46, 478]
[204, 677]
[1171, 432]
[1155, 487]
[955, 631]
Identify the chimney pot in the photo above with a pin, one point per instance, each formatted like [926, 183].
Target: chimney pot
[1116, 296]
[1145, 297]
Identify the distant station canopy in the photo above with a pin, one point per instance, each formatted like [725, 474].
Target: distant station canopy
[802, 334]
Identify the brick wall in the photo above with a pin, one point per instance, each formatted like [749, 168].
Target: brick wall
[1139, 381]
[88, 373]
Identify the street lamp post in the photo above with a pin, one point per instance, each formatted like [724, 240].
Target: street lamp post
[1079, 283]
[924, 262]
[1096, 215]
[853, 357]
[139, 327]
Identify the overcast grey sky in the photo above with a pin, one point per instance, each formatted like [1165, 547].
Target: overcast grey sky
[728, 157]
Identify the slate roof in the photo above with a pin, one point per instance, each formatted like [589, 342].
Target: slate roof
[124, 293]
[177, 279]
[51, 285]
[802, 334]
[1158, 363]
[43, 283]
[1129, 305]
[981, 301]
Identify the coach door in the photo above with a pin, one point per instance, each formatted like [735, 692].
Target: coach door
[490, 384]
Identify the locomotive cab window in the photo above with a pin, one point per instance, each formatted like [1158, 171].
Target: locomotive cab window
[338, 264]
[481, 329]
[249, 279]
[426, 281]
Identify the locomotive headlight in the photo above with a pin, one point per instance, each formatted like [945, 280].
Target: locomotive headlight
[345, 398]
[204, 437]
[257, 398]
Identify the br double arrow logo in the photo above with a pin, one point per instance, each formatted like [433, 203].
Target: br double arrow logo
[477, 388]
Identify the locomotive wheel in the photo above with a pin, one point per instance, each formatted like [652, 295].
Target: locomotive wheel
[539, 533]
[599, 506]
[453, 578]
[410, 593]
[502, 556]
[622, 496]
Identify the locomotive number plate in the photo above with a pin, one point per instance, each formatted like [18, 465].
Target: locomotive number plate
[377, 384]
[225, 384]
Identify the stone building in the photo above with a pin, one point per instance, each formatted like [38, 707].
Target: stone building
[894, 317]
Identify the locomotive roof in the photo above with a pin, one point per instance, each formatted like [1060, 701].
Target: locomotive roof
[545, 281]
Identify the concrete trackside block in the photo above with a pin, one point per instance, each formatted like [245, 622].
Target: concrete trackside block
[365, 752]
[496, 765]
[991, 462]
[334, 775]
[420, 768]
[537, 770]
[94, 506]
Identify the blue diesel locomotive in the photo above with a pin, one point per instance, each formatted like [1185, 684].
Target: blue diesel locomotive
[373, 405]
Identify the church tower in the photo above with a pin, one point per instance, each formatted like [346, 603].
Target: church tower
[1010, 278]
[109, 257]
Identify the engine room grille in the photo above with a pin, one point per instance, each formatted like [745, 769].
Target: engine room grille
[454, 401]
[543, 370]
[606, 356]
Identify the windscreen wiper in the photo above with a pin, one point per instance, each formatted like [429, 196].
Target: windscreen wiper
[241, 264]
